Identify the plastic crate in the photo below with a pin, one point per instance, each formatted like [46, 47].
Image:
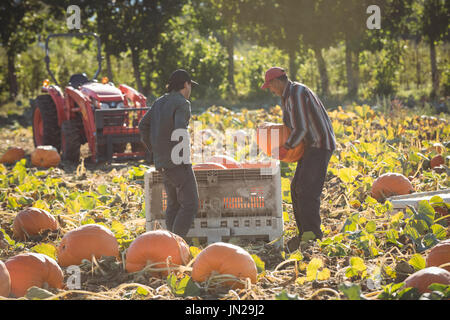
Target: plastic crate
[244, 203]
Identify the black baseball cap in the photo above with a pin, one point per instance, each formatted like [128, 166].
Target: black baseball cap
[180, 76]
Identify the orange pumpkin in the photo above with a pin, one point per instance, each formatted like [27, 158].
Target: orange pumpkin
[256, 165]
[45, 157]
[154, 247]
[422, 279]
[390, 184]
[439, 255]
[437, 161]
[208, 166]
[270, 136]
[224, 258]
[33, 269]
[87, 241]
[12, 155]
[5, 281]
[227, 161]
[32, 221]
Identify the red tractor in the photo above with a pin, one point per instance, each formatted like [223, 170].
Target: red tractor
[101, 114]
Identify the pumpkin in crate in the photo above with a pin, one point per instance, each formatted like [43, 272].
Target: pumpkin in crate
[270, 136]
[224, 259]
[422, 279]
[439, 255]
[390, 184]
[33, 269]
[12, 155]
[5, 281]
[32, 221]
[161, 249]
[227, 161]
[208, 166]
[45, 157]
[85, 242]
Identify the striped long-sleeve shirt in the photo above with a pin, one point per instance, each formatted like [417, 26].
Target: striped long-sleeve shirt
[305, 115]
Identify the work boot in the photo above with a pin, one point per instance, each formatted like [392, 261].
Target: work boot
[293, 244]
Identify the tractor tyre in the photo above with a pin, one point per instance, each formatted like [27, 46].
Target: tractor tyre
[46, 130]
[72, 140]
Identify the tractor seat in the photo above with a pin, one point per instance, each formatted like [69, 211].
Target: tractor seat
[78, 79]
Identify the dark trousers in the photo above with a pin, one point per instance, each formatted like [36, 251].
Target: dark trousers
[182, 198]
[306, 188]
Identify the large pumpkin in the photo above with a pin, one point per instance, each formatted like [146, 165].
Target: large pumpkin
[5, 281]
[33, 269]
[439, 255]
[422, 279]
[391, 184]
[224, 258]
[84, 242]
[226, 161]
[45, 157]
[273, 135]
[32, 221]
[154, 247]
[208, 166]
[12, 155]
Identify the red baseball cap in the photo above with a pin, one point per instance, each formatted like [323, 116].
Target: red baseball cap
[271, 74]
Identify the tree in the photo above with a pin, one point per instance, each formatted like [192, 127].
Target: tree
[225, 19]
[434, 26]
[20, 22]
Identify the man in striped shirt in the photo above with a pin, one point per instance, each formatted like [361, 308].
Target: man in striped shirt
[305, 115]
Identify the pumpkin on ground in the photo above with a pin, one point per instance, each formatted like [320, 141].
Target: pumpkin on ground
[12, 155]
[32, 221]
[84, 242]
[390, 184]
[436, 161]
[270, 136]
[224, 258]
[33, 269]
[422, 279]
[208, 166]
[227, 161]
[45, 157]
[154, 247]
[439, 255]
[5, 281]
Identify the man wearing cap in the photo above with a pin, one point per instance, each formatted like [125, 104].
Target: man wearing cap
[163, 129]
[306, 116]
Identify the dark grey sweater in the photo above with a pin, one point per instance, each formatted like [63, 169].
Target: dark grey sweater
[169, 112]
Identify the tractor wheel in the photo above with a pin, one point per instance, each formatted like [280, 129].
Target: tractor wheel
[71, 139]
[46, 130]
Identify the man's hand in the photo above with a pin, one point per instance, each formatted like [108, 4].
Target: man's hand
[281, 152]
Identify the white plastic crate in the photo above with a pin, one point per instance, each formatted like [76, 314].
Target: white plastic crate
[243, 203]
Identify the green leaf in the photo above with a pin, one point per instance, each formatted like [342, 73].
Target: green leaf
[417, 261]
[260, 265]
[351, 291]
[439, 231]
[118, 229]
[87, 202]
[371, 226]
[185, 286]
[142, 291]
[347, 175]
[45, 248]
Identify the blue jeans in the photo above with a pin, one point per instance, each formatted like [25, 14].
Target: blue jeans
[182, 198]
[306, 189]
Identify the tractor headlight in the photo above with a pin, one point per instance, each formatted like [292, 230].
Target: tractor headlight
[120, 105]
[104, 105]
